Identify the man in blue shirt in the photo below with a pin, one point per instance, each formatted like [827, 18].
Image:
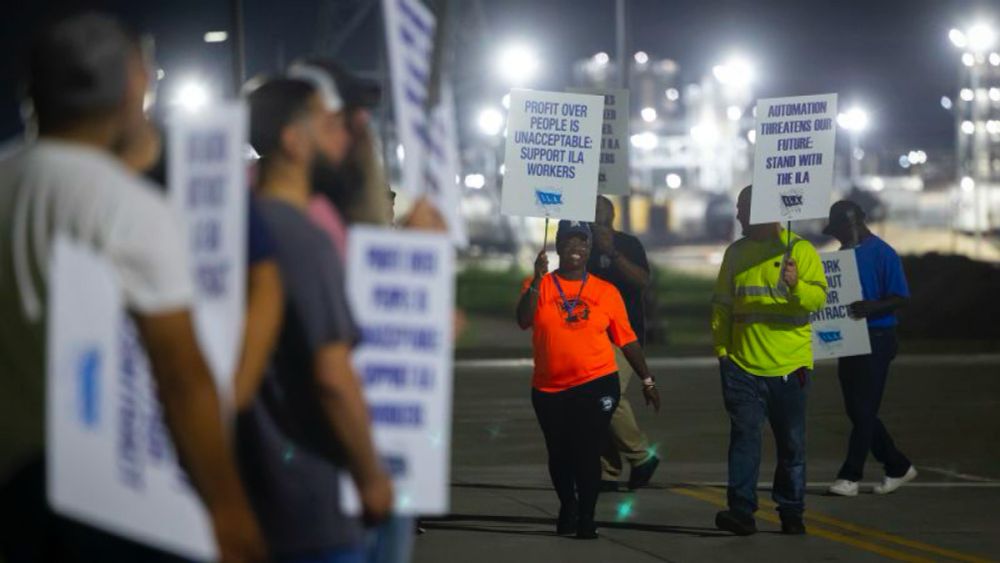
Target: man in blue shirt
[863, 378]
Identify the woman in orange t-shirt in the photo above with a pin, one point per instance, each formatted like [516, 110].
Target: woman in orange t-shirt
[576, 318]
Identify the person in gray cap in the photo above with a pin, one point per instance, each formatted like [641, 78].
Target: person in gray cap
[863, 378]
[86, 85]
[576, 319]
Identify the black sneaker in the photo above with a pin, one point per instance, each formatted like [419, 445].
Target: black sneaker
[793, 525]
[607, 486]
[736, 522]
[567, 523]
[642, 473]
[586, 530]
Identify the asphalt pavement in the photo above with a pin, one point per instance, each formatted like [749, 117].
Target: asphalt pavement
[943, 411]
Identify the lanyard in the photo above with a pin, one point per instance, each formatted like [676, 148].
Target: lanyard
[569, 306]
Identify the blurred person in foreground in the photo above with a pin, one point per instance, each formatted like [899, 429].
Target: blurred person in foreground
[87, 82]
[863, 378]
[309, 421]
[620, 259]
[576, 320]
[769, 282]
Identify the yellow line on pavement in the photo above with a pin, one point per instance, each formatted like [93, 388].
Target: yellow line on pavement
[872, 533]
[713, 498]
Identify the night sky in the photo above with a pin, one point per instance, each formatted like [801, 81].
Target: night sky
[892, 56]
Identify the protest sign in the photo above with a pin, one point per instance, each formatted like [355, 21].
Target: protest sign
[401, 288]
[208, 188]
[553, 154]
[793, 158]
[112, 463]
[429, 136]
[835, 333]
[613, 174]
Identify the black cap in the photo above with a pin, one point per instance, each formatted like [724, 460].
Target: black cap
[843, 212]
[357, 92]
[568, 228]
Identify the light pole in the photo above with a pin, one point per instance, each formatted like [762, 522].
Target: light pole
[855, 121]
[974, 42]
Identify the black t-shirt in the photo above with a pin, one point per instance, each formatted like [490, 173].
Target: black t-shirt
[602, 266]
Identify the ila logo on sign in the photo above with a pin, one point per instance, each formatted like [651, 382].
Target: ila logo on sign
[791, 202]
[830, 336]
[548, 198]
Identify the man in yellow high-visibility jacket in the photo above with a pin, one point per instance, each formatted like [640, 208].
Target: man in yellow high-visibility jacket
[760, 325]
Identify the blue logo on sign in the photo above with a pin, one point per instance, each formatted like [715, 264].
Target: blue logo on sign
[793, 200]
[88, 386]
[546, 199]
[829, 336]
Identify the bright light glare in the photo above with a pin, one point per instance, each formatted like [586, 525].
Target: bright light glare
[400, 153]
[945, 102]
[648, 114]
[505, 101]
[968, 59]
[980, 37]
[645, 141]
[995, 94]
[601, 58]
[705, 132]
[192, 96]
[736, 72]
[859, 154]
[503, 169]
[517, 64]
[968, 184]
[216, 36]
[993, 127]
[878, 184]
[672, 94]
[916, 157]
[475, 181]
[673, 181]
[752, 136]
[854, 119]
[968, 127]
[734, 113]
[160, 74]
[904, 161]
[641, 57]
[958, 38]
[490, 121]
[995, 59]
[967, 94]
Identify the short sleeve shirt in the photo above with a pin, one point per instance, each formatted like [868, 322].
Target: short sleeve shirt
[50, 188]
[881, 273]
[289, 456]
[601, 265]
[572, 349]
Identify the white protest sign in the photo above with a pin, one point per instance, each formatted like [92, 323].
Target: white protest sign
[793, 158]
[613, 175]
[835, 333]
[110, 461]
[208, 188]
[553, 155]
[430, 142]
[401, 289]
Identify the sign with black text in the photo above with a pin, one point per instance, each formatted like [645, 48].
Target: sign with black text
[613, 175]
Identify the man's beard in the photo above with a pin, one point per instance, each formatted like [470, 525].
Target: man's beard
[340, 184]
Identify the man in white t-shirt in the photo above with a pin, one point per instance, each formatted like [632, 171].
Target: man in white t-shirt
[87, 84]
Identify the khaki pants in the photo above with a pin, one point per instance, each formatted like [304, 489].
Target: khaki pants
[627, 440]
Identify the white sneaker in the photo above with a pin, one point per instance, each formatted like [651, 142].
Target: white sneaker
[844, 488]
[890, 484]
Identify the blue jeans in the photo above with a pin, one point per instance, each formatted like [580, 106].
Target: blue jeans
[750, 399]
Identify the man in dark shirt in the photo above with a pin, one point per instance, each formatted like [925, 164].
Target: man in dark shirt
[620, 259]
[308, 422]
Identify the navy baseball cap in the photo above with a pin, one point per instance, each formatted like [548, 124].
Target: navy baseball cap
[568, 228]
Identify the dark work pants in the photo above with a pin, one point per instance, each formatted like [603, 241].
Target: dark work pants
[30, 532]
[576, 423]
[751, 399]
[862, 380]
